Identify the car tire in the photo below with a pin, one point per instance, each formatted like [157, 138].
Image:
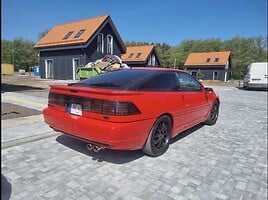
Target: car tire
[214, 113]
[158, 140]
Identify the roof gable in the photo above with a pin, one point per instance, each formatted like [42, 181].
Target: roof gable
[76, 33]
[137, 53]
[208, 58]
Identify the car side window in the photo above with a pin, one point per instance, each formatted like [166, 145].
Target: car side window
[188, 82]
[164, 81]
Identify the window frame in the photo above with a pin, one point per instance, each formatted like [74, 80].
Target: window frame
[194, 80]
[194, 73]
[49, 68]
[67, 35]
[216, 75]
[130, 55]
[110, 44]
[138, 55]
[100, 43]
[153, 60]
[79, 33]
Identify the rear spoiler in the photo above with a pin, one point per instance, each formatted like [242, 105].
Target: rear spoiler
[75, 89]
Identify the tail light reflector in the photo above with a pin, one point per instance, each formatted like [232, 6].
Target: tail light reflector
[117, 108]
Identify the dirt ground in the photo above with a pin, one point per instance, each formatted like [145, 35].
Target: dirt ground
[25, 84]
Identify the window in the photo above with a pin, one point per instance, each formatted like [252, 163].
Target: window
[49, 68]
[79, 33]
[164, 81]
[188, 82]
[118, 79]
[216, 59]
[68, 35]
[130, 55]
[75, 66]
[138, 55]
[194, 74]
[151, 61]
[208, 59]
[215, 76]
[109, 44]
[100, 43]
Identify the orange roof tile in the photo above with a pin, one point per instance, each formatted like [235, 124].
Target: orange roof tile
[207, 58]
[55, 36]
[137, 53]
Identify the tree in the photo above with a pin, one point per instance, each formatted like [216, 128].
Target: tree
[43, 33]
[7, 52]
[19, 52]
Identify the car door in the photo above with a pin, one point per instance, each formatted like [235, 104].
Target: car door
[163, 87]
[194, 98]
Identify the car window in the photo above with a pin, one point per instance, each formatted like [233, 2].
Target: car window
[121, 79]
[162, 81]
[188, 82]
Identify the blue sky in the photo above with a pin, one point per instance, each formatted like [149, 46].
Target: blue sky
[162, 21]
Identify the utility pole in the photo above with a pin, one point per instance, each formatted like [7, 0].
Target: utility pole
[13, 57]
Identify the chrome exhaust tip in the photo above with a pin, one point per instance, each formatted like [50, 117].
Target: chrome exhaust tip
[89, 147]
[95, 148]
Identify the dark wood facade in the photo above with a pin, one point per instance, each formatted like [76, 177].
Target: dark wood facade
[210, 72]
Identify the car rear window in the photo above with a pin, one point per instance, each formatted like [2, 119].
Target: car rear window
[121, 79]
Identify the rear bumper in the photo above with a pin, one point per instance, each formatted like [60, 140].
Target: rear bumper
[121, 136]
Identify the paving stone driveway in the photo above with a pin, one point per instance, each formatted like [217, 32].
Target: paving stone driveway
[224, 161]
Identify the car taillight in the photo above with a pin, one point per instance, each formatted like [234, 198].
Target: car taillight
[54, 98]
[110, 107]
[101, 106]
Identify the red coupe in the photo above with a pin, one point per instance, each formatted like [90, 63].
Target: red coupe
[129, 109]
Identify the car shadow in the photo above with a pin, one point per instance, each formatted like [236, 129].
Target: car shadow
[186, 133]
[15, 88]
[114, 156]
[5, 188]
[107, 155]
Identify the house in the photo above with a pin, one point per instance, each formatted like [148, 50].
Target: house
[141, 56]
[68, 46]
[210, 65]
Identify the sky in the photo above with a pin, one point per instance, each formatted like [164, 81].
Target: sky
[153, 21]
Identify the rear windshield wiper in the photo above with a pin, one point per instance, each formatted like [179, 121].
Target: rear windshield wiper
[105, 84]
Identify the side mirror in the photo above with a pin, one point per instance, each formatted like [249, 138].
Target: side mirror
[209, 90]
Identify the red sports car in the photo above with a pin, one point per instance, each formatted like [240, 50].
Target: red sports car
[129, 109]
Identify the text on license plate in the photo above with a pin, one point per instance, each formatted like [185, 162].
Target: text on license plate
[75, 109]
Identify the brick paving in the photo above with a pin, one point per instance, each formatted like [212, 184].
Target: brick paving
[224, 161]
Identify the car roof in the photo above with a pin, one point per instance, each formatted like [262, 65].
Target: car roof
[158, 69]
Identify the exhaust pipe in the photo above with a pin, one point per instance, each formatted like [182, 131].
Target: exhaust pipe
[89, 147]
[95, 148]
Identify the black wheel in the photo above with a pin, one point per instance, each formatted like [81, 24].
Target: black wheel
[213, 116]
[158, 140]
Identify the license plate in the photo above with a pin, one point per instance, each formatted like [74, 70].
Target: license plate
[75, 109]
